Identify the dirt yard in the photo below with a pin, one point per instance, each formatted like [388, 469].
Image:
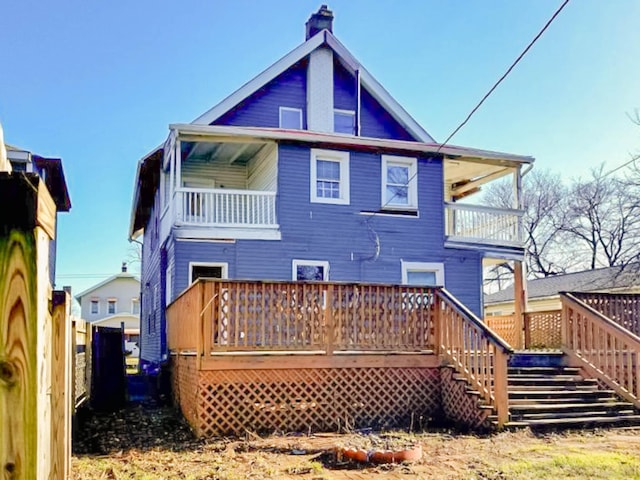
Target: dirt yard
[151, 442]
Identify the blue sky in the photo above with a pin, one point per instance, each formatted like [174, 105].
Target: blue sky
[97, 83]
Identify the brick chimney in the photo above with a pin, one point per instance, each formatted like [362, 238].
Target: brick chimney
[322, 19]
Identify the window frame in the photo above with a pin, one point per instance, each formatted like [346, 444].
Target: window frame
[340, 111]
[133, 302]
[290, 109]
[412, 186]
[435, 267]
[297, 262]
[97, 303]
[340, 157]
[224, 266]
[111, 301]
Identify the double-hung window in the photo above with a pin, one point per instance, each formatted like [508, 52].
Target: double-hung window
[329, 177]
[95, 307]
[291, 118]
[111, 306]
[399, 183]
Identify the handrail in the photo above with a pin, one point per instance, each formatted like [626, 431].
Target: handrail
[268, 193]
[483, 208]
[475, 351]
[606, 350]
[472, 317]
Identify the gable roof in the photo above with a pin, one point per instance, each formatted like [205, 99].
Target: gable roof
[104, 282]
[586, 281]
[327, 39]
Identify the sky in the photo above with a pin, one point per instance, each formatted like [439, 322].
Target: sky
[98, 83]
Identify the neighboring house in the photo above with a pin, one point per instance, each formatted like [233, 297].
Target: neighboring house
[51, 172]
[113, 302]
[544, 293]
[313, 171]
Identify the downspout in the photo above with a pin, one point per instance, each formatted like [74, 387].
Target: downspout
[358, 100]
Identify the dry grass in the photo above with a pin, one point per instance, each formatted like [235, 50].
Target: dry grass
[174, 454]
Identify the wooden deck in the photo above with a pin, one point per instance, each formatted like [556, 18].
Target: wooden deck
[291, 356]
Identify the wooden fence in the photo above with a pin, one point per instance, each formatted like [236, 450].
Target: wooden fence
[218, 317]
[35, 395]
[541, 329]
[606, 350]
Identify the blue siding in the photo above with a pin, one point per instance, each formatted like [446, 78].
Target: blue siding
[376, 121]
[345, 95]
[341, 235]
[262, 108]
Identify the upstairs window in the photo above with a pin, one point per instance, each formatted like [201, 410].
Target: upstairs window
[111, 307]
[425, 274]
[329, 177]
[135, 306]
[95, 307]
[344, 121]
[291, 118]
[399, 183]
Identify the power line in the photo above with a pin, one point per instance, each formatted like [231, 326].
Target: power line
[493, 88]
[633, 159]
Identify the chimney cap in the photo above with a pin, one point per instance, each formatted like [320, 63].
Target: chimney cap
[124, 267]
[321, 20]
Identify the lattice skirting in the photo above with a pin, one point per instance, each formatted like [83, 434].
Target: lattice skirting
[323, 399]
[459, 405]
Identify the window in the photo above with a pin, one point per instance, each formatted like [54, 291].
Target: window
[291, 118]
[111, 306]
[135, 306]
[95, 307]
[329, 176]
[207, 270]
[344, 121]
[428, 274]
[399, 183]
[305, 270]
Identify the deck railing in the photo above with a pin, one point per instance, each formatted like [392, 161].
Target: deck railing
[622, 308]
[605, 349]
[475, 351]
[218, 317]
[484, 225]
[226, 208]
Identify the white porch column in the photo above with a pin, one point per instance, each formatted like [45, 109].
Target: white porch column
[177, 201]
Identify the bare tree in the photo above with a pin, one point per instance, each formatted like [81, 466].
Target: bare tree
[605, 218]
[544, 223]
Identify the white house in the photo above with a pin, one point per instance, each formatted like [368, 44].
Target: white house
[112, 302]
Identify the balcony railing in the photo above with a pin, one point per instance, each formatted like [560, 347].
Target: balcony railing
[483, 225]
[226, 208]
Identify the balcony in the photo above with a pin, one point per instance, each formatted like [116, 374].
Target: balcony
[475, 225]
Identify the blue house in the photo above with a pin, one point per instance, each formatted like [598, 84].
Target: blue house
[312, 171]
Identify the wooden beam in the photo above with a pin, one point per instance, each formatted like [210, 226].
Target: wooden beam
[461, 187]
[520, 302]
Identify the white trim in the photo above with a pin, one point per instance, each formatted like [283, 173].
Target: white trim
[290, 109]
[97, 300]
[224, 234]
[342, 158]
[223, 265]
[436, 267]
[295, 263]
[167, 284]
[341, 111]
[412, 186]
[113, 301]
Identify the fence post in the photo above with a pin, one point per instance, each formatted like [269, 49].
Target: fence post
[436, 320]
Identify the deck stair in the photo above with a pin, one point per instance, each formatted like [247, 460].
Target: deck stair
[546, 393]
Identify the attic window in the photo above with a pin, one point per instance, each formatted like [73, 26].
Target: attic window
[344, 121]
[291, 118]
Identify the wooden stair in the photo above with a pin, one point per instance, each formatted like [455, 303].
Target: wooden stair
[545, 393]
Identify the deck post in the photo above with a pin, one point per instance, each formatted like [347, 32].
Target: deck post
[501, 386]
[435, 311]
[329, 319]
[520, 297]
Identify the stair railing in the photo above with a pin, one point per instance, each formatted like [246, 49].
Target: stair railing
[474, 350]
[603, 348]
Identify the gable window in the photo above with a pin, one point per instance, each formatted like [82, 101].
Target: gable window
[111, 306]
[399, 183]
[329, 176]
[427, 274]
[310, 270]
[206, 270]
[344, 121]
[291, 118]
[95, 307]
